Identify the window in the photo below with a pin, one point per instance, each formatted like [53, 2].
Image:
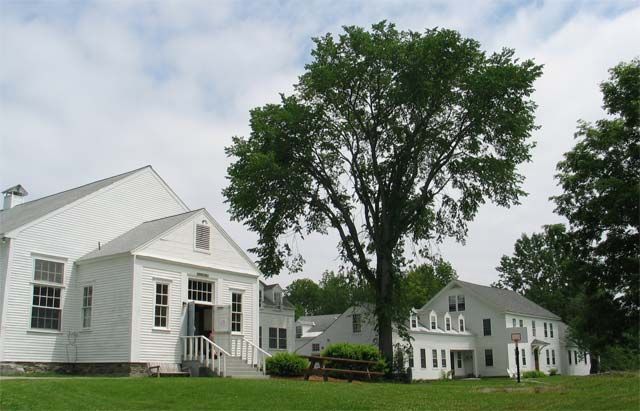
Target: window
[162, 305]
[533, 328]
[486, 326]
[521, 323]
[423, 358]
[452, 303]
[260, 336]
[414, 320]
[551, 330]
[46, 311]
[461, 325]
[278, 299]
[447, 323]
[569, 357]
[488, 358]
[200, 290]
[461, 305]
[514, 322]
[524, 357]
[459, 359]
[443, 353]
[282, 338]
[434, 322]
[298, 331]
[545, 330]
[434, 354]
[548, 359]
[575, 357]
[315, 347]
[203, 237]
[356, 323]
[411, 365]
[273, 337]
[553, 357]
[87, 303]
[236, 312]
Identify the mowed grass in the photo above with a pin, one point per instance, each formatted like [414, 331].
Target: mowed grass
[606, 392]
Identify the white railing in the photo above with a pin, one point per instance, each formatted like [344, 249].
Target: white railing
[249, 352]
[200, 348]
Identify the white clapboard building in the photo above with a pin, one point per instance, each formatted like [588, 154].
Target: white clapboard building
[118, 275]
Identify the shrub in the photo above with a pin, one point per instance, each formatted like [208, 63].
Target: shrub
[364, 352]
[285, 364]
[533, 374]
[553, 371]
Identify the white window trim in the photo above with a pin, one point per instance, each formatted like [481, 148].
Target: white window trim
[464, 323]
[241, 292]
[433, 314]
[447, 316]
[57, 259]
[82, 307]
[166, 282]
[206, 280]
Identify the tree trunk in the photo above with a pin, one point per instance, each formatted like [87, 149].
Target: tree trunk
[595, 363]
[384, 300]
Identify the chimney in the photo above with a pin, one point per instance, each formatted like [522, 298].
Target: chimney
[13, 196]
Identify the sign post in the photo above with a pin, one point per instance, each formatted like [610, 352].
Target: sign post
[515, 337]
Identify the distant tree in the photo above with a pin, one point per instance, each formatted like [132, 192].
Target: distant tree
[389, 137]
[542, 269]
[423, 282]
[306, 296]
[601, 193]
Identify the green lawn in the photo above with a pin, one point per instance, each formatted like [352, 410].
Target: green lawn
[614, 392]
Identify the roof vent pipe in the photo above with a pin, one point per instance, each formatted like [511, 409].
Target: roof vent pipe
[13, 196]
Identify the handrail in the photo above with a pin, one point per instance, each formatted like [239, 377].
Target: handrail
[257, 348]
[216, 346]
[202, 349]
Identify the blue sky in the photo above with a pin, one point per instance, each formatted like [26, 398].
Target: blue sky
[92, 89]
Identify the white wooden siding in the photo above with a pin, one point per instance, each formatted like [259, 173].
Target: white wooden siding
[72, 233]
[107, 340]
[153, 345]
[179, 245]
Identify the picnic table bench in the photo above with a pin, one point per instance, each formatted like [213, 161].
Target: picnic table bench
[350, 371]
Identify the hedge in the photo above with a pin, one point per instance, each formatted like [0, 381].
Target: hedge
[285, 364]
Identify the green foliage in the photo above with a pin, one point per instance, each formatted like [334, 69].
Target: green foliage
[306, 296]
[425, 281]
[389, 137]
[618, 357]
[285, 364]
[553, 371]
[533, 374]
[351, 351]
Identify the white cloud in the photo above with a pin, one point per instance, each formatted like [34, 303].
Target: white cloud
[91, 90]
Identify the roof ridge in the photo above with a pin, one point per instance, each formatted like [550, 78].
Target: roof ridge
[170, 216]
[80, 186]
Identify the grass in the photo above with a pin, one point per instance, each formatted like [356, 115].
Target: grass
[606, 392]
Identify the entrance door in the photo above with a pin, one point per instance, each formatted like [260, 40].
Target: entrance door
[203, 320]
[536, 358]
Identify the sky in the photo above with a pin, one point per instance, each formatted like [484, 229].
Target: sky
[93, 89]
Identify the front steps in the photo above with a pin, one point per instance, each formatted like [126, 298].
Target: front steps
[236, 368]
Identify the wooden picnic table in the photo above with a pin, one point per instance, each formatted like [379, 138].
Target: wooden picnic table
[350, 372]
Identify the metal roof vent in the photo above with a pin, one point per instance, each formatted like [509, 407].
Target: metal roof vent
[13, 196]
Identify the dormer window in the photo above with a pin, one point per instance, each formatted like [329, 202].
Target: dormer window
[203, 237]
[461, 324]
[447, 323]
[414, 320]
[277, 298]
[433, 319]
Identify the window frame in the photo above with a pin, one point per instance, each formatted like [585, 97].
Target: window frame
[533, 327]
[356, 323]
[313, 347]
[455, 303]
[462, 303]
[486, 321]
[459, 359]
[524, 357]
[447, 322]
[238, 313]
[298, 331]
[273, 339]
[462, 325]
[413, 321]
[167, 315]
[434, 358]
[443, 360]
[488, 363]
[87, 308]
[211, 283]
[282, 346]
[54, 285]
[548, 357]
[550, 330]
[423, 358]
[433, 321]
[553, 357]
[546, 333]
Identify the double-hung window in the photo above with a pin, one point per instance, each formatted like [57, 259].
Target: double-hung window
[161, 310]
[533, 328]
[423, 358]
[524, 357]
[452, 303]
[551, 330]
[46, 309]
[273, 338]
[553, 357]
[545, 330]
[434, 355]
[443, 354]
[461, 325]
[298, 331]
[447, 323]
[87, 305]
[414, 320]
[521, 323]
[282, 338]
[461, 304]
[236, 312]
[514, 322]
[410, 354]
[356, 323]
[569, 357]
[486, 326]
[488, 358]
[434, 322]
[459, 355]
[548, 359]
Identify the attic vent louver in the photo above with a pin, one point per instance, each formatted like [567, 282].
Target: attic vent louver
[203, 237]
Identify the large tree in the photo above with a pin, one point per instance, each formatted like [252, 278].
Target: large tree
[601, 200]
[424, 281]
[389, 137]
[305, 295]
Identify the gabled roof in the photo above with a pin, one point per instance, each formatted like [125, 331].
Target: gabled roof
[25, 213]
[320, 322]
[506, 301]
[139, 236]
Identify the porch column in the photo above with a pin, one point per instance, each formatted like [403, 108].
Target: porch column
[475, 363]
